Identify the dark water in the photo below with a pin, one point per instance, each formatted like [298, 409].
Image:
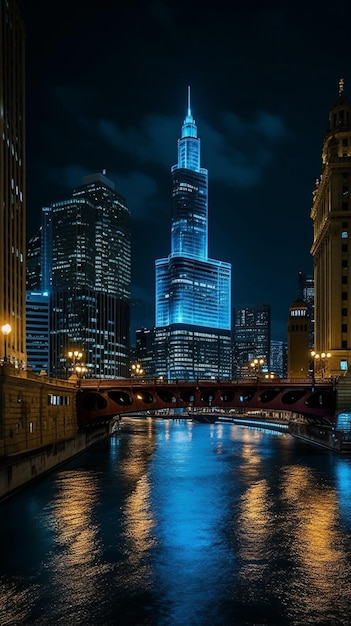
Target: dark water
[172, 523]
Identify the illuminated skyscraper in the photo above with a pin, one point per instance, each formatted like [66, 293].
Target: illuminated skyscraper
[12, 183]
[91, 276]
[306, 293]
[85, 264]
[38, 331]
[193, 292]
[278, 364]
[331, 250]
[251, 338]
[38, 268]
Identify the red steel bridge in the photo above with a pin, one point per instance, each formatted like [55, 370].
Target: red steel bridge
[101, 400]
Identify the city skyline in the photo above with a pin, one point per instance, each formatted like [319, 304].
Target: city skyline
[105, 91]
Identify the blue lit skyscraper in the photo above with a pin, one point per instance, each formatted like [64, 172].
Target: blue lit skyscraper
[193, 292]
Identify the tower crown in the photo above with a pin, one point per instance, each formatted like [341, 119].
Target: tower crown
[189, 128]
[340, 114]
[337, 144]
[189, 143]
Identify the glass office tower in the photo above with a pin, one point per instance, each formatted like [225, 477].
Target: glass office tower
[251, 338]
[193, 292]
[38, 331]
[91, 278]
[82, 258]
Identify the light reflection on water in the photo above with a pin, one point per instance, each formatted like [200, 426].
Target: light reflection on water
[173, 523]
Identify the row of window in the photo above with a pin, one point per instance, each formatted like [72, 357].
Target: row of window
[58, 400]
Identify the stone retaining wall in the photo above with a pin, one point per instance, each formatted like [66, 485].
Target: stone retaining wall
[21, 470]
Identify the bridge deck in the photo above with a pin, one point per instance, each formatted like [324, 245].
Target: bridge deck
[101, 399]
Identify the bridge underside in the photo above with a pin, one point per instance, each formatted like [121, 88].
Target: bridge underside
[100, 401]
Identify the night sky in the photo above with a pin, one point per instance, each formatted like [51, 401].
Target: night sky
[106, 89]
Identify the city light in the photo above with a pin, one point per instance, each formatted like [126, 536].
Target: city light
[77, 367]
[75, 355]
[81, 370]
[136, 369]
[256, 365]
[6, 329]
[321, 361]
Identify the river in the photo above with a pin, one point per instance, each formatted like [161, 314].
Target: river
[170, 523]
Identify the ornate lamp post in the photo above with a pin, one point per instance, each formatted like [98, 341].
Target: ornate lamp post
[321, 360]
[81, 369]
[80, 372]
[6, 329]
[256, 366]
[136, 369]
[75, 356]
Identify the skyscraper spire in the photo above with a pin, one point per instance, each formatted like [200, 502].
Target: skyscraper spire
[189, 107]
[189, 127]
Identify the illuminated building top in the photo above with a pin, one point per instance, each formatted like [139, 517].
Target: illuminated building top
[189, 231]
[189, 143]
[190, 287]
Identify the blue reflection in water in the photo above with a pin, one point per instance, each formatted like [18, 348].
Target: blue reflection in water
[173, 523]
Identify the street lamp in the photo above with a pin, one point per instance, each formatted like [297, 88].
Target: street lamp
[74, 355]
[136, 369]
[320, 358]
[6, 329]
[256, 365]
[81, 369]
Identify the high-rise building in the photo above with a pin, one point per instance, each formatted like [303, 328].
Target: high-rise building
[278, 364]
[193, 292]
[85, 264]
[251, 338]
[331, 250]
[33, 261]
[38, 300]
[12, 184]
[91, 279]
[112, 249]
[38, 331]
[305, 292]
[144, 351]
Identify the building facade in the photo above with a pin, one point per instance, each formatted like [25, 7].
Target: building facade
[12, 186]
[331, 249]
[251, 338]
[38, 331]
[298, 341]
[278, 362]
[38, 316]
[193, 292]
[91, 280]
[305, 292]
[144, 351]
[85, 265]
